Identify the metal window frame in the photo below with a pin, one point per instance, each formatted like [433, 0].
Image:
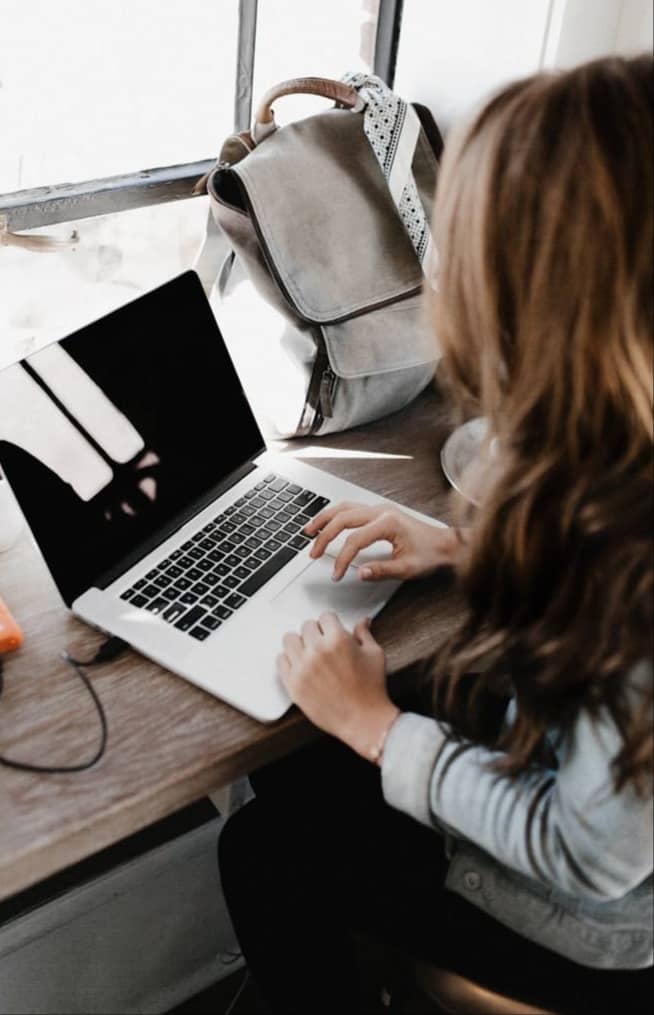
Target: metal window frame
[67, 202]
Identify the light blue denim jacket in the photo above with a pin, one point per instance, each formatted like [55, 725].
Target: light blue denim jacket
[556, 855]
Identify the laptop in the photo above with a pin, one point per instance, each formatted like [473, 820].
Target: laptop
[161, 515]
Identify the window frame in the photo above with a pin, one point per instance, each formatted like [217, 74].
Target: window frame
[67, 202]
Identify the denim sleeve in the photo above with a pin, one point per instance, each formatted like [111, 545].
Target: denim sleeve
[567, 828]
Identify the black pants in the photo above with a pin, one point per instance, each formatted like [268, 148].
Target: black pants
[319, 853]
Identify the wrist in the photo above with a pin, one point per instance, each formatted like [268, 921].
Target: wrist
[369, 737]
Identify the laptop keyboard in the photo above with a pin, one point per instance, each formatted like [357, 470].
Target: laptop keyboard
[202, 584]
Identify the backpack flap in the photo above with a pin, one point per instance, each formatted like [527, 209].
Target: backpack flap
[325, 219]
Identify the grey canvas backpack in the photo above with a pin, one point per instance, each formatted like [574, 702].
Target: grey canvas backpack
[329, 216]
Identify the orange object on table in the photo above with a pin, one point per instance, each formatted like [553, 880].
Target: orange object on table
[11, 636]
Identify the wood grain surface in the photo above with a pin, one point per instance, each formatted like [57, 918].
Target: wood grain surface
[169, 742]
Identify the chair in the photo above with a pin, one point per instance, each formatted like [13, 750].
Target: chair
[454, 994]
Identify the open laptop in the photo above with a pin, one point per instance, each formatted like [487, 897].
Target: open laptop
[138, 464]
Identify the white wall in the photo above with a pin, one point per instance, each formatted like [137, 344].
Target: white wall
[453, 54]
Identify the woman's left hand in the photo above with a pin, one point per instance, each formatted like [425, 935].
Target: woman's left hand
[338, 680]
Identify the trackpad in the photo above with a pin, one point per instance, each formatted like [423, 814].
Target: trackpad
[313, 592]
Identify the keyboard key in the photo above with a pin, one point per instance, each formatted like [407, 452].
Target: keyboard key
[151, 575]
[266, 512]
[139, 600]
[210, 601]
[232, 560]
[215, 555]
[252, 563]
[206, 544]
[196, 553]
[211, 623]
[198, 537]
[221, 591]
[194, 574]
[268, 571]
[221, 570]
[228, 526]
[293, 488]
[235, 601]
[247, 529]
[231, 582]
[241, 552]
[189, 598]
[141, 583]
[186, 561]
[222, 612]
[302, 519]
[278, 484]
[257, 502]
[227, 547]
[252, 543]
[285, 496]
[261, 553]
[128, 594]
[205, 565]
[267, 494]
[210, 527]
[157, 605]
[211, 578]
[270, 528]
[291, 528]
[183, 583]
[150, 591]
[283, 516]
[241, 501]
[304, 498]
[238, 518]
[272, 546]
[174, 571]
[174, 612]
[162, 581]
[200, 588]
[229, 511]
[269, 478]
[190, 618]
[241, 572]
[200, 633]
[176, 554]
[236, 537]
[187, 545]
[315, 506]
[170, 594]
[299, 542]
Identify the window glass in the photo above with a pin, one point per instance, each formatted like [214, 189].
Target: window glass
[92, 88]
[296, 39]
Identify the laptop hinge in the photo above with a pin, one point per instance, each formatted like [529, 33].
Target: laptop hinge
[181, 518]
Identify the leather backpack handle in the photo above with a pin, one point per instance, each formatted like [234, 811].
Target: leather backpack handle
[339, 92]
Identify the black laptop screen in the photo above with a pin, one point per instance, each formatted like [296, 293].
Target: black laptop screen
[108, 436]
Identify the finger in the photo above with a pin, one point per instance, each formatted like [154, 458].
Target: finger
[363, 537]
[293, 647]
[311, 634]
[363, 634]
[283, 666]
[378, 570]
[330, 624]
[351, 519]
[323, 517]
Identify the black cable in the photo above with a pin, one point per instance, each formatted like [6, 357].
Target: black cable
[108, 650]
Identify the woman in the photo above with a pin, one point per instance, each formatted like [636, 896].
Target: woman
[520, 855]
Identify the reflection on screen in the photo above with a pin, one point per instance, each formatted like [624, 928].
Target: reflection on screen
[108, 435]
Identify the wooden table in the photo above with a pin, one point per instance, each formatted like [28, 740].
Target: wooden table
[169, 742]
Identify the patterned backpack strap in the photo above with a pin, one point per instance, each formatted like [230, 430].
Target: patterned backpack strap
[392, 127]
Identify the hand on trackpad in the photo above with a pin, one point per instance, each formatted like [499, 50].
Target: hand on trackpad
[381, 550]
[313, 592]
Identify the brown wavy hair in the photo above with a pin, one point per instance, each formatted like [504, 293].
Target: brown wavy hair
[544, 226]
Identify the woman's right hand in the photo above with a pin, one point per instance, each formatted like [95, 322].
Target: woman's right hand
[418, 548]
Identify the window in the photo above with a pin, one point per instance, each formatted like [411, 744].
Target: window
[92, 95]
